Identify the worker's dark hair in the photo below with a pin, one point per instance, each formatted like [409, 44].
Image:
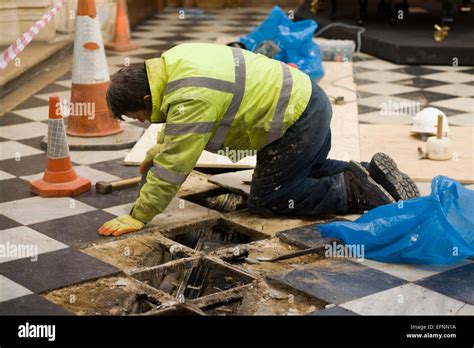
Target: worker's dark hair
[127, 88]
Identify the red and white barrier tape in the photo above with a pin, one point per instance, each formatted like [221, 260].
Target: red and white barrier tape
[19, 45]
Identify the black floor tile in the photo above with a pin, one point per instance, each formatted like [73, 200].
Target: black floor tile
[13, 189]
[362, 94]
[416, 70]
[160, 48]
[468, 71]
[31, 305]
[149, 55]
[27, 165]
[31, 102]
[336, 310]
[10, 119]
[75, 230]
[306, 236]
[66, 76]
[361, 82]
[53, 88]
[419, 82]
[103, 201]
[363, 109]
[457, 283]
[117, 168]
[33, 142]
[56, 269]
[336, 280]
[424, 97]
[7, 223]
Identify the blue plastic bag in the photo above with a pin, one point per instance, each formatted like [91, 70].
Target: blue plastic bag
[295, 40]
[435, 229]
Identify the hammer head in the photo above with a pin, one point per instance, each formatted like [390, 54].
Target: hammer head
[103, 187]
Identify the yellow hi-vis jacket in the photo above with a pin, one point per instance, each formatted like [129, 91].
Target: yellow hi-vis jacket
[217, 98]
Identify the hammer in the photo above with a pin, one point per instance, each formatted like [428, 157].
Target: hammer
[107, 187]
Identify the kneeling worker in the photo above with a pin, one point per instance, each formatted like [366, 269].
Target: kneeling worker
[226, 99]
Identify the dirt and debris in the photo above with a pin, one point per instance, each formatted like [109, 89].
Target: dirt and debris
[117, 295]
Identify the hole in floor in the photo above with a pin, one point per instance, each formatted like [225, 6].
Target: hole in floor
[219, 199]
[193, 278]
[211, 235]
[143, 303]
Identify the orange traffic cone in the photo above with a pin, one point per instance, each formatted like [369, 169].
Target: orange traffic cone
[121, 41]
[89, 116]
[59, 178]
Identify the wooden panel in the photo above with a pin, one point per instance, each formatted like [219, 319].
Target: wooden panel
[207, 159]
[397, 142]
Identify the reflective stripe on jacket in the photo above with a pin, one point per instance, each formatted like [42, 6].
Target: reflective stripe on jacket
[214, 97]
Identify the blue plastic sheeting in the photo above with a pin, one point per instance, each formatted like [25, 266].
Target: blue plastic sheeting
[295, 40]
[435, 229]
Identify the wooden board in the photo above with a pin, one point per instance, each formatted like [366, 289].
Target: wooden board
[397, 142]
[238, 182]
[207, 159]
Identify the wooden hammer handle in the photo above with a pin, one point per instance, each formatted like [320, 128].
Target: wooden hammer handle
[439, 131]
[108, 187]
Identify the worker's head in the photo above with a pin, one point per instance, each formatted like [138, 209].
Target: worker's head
[129, 94]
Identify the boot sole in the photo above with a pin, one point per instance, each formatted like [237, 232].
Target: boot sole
[385, 172]
[364, 176]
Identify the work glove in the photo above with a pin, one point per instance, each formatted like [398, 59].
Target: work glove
[150, 155]
[120, 225]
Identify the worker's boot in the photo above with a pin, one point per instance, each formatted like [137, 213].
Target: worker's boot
[384, 171]
[363, 193]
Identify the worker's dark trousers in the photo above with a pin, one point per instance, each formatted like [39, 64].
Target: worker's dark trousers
[293, 175]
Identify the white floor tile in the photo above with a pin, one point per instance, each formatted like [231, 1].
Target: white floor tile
[408, 299]
[382, 76]
[450, 77]
[119, 210]
[64, 83]
[86, 172]
[462, 120]
[10, 290]
[64, 96]
[24, 242]
[37, 114]
[377, 64]
[456, 89]
[5, 175]
[391, 105]
[24, 130]
[89, 157]
[148, 42]
[385, 88]
[447, 67]
[411, 272]
[13, 149]
[38, 209]
[462, 104]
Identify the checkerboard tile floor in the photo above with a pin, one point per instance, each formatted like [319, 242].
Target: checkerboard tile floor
[61, 227]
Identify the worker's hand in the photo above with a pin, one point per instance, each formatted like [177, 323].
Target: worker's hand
[148, 161]
[120, 225]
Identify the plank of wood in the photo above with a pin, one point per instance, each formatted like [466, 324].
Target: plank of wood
[207, 159]
[401, 145]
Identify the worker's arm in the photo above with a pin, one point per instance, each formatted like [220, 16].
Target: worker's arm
[189, 127]
[153, 151]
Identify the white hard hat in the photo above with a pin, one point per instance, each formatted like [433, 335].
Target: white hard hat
[426, 121]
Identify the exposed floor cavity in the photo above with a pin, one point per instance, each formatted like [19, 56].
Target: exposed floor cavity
[145, 250]
[219, 199]
[116, 295]
[213, 235]
[193, 278]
